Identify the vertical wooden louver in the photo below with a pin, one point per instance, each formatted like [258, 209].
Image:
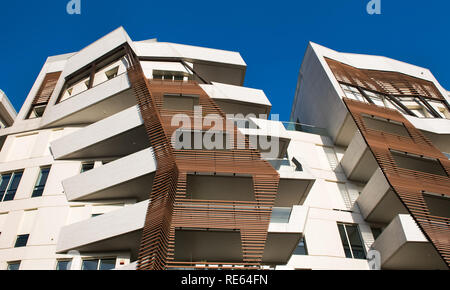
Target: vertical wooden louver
[170, 207]
[46, 89]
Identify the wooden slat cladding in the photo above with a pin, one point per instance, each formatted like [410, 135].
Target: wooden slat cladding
[170, 208]
[46, 89]
[389, 83]
[409, 185]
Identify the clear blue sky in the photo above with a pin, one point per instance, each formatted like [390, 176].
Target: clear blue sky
[272, 36]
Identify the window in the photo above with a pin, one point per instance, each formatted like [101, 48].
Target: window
[43, 95]
[438, 204]
[418, 163]
[180, 102]
[170, 75]
[9, 184]
[13, 266]
[384, 125]
[352, 242]
[40, 183]
[112, 73]
[416, 106]
[379, 99]
[63, 265]
[353, 93]
[281, 215]
[98, 264]
[301, 248]
[298, 165]
[87, 166]
[21, 241]
[376, 232]
[37, 111]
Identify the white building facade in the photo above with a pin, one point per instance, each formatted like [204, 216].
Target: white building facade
[77, 167]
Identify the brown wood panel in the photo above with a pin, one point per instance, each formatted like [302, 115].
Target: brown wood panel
[169, 208]
[409, 185]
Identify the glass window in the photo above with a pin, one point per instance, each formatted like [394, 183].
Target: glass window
[63, 265]
[90, 265]
[37, 111]
[21, 241]
[298, 165]
[301, 248]
[416, 106]
[14, 266]
[351, 241]
[40, 183]
[97, 264]
[112, 73]
[87, 166]
[440, 108]
[281, 215]
[107, 264]
[353, 93]
[376, 232]
[9, 184]
[4, 182]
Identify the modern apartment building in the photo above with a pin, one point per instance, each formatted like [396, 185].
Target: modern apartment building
[389, 123]
[150, 155]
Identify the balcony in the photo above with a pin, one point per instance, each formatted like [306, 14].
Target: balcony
[119, 230]
[403, 246]
[378, 202]
[295, 183]
[238, 100]
[90, 106]
[285, 231]
[358, 161]
[117, 135]
[128, 177]
[270, 137]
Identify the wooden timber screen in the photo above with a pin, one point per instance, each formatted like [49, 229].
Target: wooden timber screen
[170, 208]
[409, 185]
[388, 83]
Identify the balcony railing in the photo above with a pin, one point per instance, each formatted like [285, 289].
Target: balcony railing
[291, 126]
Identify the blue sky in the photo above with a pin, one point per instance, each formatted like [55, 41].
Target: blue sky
[272, 36]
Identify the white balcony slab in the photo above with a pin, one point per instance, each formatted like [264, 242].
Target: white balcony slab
[119, 230]
[283, 238]
[238, 100]
[402, 245]
[378, 202]
[358, 161]
[92, 105]
[118, 135]
[128, 177]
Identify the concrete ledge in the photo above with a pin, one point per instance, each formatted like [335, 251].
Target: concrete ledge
[128, 177]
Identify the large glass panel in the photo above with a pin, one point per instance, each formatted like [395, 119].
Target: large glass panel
[355, 242]
[11, 192]
[107, 264]
[87, 166]
[301, 248]
[281, 215]
[343, 234]
[40, 183]
[4, 185]
[13, 266]
[90, 265]
[353, 93]
[63, 265]
[21, 241]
